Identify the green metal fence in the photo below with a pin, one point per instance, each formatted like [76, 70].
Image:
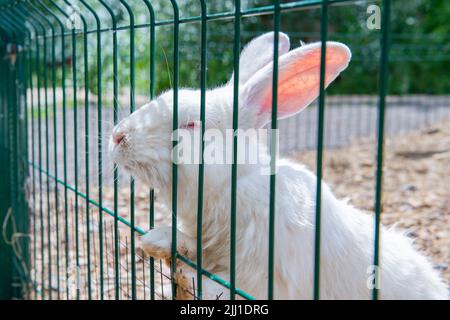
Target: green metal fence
[63, 226]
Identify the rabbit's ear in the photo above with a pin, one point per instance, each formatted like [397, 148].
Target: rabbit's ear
[298, 81]
[258, 53]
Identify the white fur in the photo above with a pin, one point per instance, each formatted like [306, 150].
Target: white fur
[346, 235]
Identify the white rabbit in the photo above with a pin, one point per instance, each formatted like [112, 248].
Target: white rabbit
[141, 143]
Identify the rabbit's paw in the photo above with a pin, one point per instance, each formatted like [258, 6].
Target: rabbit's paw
[186, 279]
[157, 242]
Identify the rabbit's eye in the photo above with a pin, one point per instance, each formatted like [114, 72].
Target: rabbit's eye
[189, 125]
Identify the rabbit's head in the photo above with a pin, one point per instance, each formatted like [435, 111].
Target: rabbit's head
[142, 142]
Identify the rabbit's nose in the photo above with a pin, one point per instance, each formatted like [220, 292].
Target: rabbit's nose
[118, 137]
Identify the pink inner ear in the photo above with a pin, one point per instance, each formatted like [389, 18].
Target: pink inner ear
[299, 77]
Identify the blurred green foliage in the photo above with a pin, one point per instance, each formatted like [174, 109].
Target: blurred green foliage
[419, 57]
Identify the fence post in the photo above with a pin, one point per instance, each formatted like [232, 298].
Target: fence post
[6, 253]
[13, 212]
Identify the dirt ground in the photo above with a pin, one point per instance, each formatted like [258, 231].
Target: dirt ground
[416, 185]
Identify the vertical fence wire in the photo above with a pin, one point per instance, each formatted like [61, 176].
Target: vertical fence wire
[201, 169]
[11, 122]
[99, 144]
[383, 88]
[273, 152]
[75, 154]
[64, 133]
[33, 159]
[320, 133]
[15, 136]
[39, 145]
[151, 222]
[132, 187]
[236, 53]
[21, 218]
[23, 155]
[4, 128]
[86, 139]
[176, 28]
[55, 147]
[152, 95]
[116, 170]
[47, 160]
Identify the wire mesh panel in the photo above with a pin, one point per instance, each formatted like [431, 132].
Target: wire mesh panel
[74, 69]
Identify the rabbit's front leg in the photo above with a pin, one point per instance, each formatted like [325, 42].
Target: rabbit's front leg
[157, 243]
